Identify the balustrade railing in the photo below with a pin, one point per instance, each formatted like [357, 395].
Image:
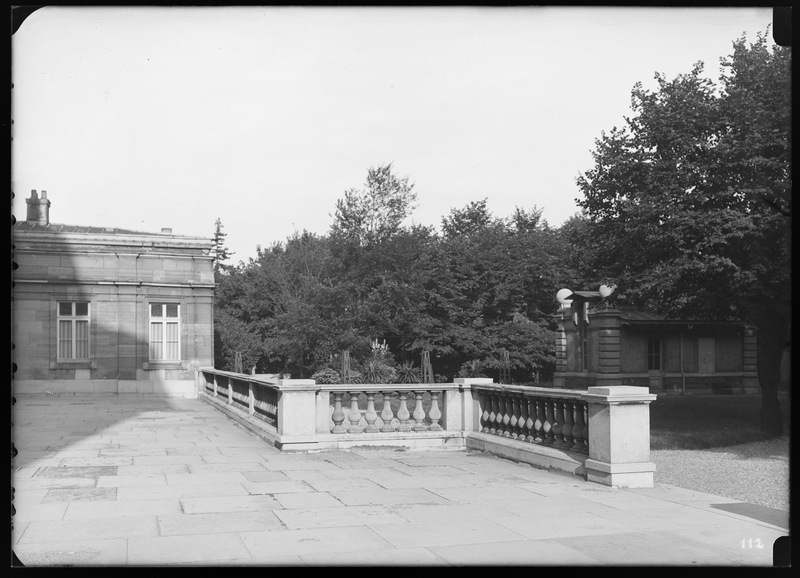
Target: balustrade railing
[552, 418]
[403, 409]
[513, 421]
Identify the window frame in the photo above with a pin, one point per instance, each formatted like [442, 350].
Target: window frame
[73, 319]
[165, 335]
[652, 355]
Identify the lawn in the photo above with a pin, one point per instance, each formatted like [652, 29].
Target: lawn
[708, 421]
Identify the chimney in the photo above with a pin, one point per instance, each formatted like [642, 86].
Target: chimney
[38, 209]
[166, 230]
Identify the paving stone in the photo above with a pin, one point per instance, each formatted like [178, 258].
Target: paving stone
[217, 522]
[76, 472]
[331, 517]
[278, 487]
[328, 485]
[423, 481]
[38, 512]
[527, 553]
[152, 470]
[271, 545]
[94, 510]
[379, 558]
[560, 525]
[80, 494]
[132, 481]
[90, 529]
[387, 497]
[444, 533]
[193, 490]
[308, 500]
[249, 503]
[83, 553]
[205, 478]
[265, 476]
[177, 550]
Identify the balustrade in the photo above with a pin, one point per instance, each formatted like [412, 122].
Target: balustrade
[536, 418]
[414, 413]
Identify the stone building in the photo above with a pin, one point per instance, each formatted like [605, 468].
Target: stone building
[105, 310]
[625, 346]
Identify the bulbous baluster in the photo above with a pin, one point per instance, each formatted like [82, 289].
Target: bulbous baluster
[486, 406]
[402, 413]
[498, 418]
[492, 414]
[419, 413]
[370, 415]
[547, 427]
[525, 423]
[569, 425]
[577, 429]
[387, 415]
[435, 413]
[338, 414]
[585, 429]
[513, 420]
[355, 415]
[538, 425]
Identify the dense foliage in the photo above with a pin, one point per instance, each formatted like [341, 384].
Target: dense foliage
[688, 205]
[483, 286]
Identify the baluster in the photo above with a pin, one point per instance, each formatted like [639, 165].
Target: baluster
[498, 418]
[513, 420]
[338, 414]
[387, 415]
[487, 405]
[492, 414]
[586, 429]
[539, 423]
[370, 415]
[558, 423]
[547, 426]
[402, 413]
[419, 413]
[525, 422]
[569, 425]
[435, 414]
[355, 415]
[577, 429]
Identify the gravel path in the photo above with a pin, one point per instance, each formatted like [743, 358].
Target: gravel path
[757, 473]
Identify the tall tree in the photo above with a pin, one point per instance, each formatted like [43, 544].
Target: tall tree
[377, 212]
[221, 252]
[688, 204]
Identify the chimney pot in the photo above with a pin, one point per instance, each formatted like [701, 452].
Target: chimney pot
[38, 209]
[166, 230]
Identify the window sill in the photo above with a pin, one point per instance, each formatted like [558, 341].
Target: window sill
[165, 365]
[74, 364]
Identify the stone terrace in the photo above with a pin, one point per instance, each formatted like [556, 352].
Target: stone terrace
[134, 480]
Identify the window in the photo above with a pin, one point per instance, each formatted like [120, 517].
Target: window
[653, 354]
[73, 330]
[165, 343]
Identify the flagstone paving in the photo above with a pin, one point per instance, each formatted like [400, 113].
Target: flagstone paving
[156, 481]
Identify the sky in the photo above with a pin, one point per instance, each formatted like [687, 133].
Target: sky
[145, 117]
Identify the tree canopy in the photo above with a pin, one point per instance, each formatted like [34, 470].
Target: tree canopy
[688, 204]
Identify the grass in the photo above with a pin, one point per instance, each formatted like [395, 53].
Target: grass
[708, 421]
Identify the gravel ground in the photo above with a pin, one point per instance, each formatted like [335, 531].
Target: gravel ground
[757, 473]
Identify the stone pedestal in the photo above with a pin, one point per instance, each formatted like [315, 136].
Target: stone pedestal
[619, 436]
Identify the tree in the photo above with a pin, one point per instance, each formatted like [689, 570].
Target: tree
[374, 214]
[221, 252]
[688, 204]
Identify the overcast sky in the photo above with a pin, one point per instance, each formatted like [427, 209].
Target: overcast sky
[144, 118]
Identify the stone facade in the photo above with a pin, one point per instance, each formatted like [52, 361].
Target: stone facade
[630, 347]
[100, 310]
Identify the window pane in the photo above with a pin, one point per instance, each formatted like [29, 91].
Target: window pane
[156, 341]
[65, 340]
[82, 308]
[82, 340]
[65, 308]
[172, 341]
[172, 309]
[155, 310]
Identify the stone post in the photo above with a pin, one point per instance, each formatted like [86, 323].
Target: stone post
[462, 407]
[619, 436]
[297, 407]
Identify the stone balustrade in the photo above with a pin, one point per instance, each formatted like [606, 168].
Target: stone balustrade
[602, 434]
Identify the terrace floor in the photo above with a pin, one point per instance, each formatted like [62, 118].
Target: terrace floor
[158, 481]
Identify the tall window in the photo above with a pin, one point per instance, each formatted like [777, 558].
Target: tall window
[653, 354]
[165, 343]
[73, 330]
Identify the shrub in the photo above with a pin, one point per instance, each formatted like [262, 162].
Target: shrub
[326, 376]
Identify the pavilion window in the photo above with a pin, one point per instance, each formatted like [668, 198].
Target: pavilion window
[73, 330]
[165, 343]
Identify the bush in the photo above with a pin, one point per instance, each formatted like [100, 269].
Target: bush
[326, 376]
